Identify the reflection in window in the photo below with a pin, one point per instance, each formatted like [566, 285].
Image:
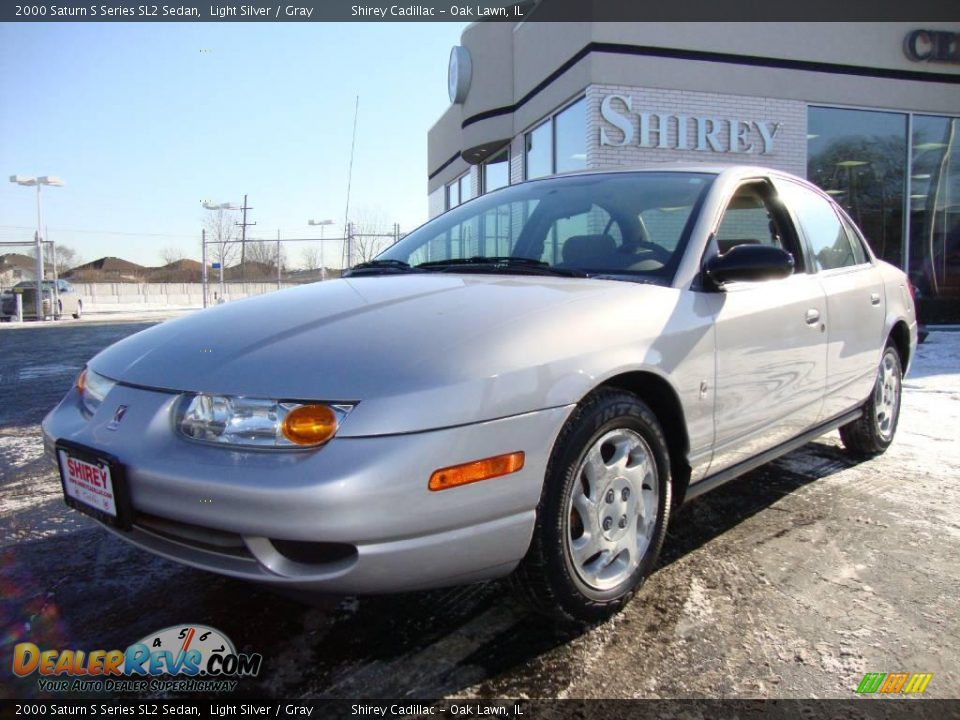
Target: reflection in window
[935, 216]
[539, 144]
[859, 158]
[559, 144]
[458, 191]
[571, 134]
[827, 237]
[496, 171]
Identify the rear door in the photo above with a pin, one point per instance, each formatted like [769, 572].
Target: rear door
[856, 303]
[770, 361]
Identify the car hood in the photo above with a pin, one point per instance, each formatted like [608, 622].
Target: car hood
[414, 351]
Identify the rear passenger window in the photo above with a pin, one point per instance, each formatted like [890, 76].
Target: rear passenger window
[832, 247]
[859, 254]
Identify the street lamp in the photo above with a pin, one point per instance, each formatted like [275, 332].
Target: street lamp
[29, 181]
[210, 205]
[322, 224]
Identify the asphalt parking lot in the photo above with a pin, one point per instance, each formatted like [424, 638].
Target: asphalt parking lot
[792, 581]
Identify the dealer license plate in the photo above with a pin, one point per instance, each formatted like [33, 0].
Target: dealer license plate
[92, 484]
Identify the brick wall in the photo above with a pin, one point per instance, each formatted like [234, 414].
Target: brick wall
[789, 150]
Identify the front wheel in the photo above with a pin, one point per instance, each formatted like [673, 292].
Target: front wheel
[603, 511]
[872, 433]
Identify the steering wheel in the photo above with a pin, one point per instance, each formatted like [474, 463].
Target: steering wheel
[636, 247]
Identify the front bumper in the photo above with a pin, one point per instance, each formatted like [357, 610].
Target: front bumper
[354, 516]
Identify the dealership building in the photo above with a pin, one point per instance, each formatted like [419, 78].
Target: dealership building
[870, 112]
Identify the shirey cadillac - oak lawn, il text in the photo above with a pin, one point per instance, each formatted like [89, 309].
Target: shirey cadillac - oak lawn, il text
[527, 385]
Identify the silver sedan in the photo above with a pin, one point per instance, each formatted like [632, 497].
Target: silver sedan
[526, 385]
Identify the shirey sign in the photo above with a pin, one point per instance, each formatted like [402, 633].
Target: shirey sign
[668, 131]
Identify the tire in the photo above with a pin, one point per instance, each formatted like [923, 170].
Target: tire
[598, 532]
[77, 315]
[873, 432]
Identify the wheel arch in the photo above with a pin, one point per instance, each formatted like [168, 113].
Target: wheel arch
[657, 392]
[900, 335]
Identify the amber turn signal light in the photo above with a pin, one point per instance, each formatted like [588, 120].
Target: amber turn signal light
[309, 425]
[476, 471]
[81, 382]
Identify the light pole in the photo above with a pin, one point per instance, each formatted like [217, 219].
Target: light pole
[210, 205]
[53, 181]
[322, 224]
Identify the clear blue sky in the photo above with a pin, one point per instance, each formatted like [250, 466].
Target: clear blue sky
[144, 121]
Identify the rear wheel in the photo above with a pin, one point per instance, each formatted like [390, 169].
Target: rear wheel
[603, 511]
[872, 433]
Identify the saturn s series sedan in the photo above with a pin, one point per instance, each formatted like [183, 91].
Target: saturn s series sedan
[526, 385]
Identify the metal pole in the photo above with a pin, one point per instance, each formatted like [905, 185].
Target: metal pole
[222, 299]
[323, 271]
[39, 261]
[349, 246]
[203, 271]
[278, 258]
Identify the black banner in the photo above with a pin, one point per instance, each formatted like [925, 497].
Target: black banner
[474, 10]
[865, 709]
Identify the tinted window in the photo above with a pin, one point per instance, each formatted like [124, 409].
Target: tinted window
[859, 157]
[496, 171]
[828, 240]
[539, 144]
[571, 131]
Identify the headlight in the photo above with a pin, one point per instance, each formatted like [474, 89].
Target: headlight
[253, 422]
[93, 388]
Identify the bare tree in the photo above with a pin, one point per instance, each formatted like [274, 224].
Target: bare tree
[262, 256]
[170, 255]
[310, 255]
[222, 234]
[66, 258]
[372, 234]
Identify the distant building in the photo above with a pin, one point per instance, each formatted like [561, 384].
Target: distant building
[108, 269]
[15, 268]
[870, 112]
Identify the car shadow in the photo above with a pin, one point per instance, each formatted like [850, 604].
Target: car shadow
[86, 589]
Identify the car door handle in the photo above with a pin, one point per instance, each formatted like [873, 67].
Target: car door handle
[874, 298]
[813, 316]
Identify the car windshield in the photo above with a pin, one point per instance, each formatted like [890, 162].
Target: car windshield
[625, 225]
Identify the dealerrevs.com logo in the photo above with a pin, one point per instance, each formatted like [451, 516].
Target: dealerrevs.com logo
[180, 658]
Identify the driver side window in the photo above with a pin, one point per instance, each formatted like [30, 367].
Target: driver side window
[749, 220]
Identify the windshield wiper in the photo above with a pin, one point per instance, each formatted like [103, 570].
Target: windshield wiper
[504, 264]
[379, 267]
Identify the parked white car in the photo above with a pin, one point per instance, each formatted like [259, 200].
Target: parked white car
[526, 385]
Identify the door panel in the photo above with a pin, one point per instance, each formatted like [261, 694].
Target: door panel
[856, 303]
[771, 365]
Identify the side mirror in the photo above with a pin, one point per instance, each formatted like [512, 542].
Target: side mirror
[749, 262]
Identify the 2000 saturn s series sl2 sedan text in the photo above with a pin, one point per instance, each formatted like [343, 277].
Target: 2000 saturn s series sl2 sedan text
[527, 384]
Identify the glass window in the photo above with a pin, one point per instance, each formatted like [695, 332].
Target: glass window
[571, 137]
[539, 145]
[748, 221]
[458, 191]
[465, 190]
[590, 223]
[453, 194]
[935, 217]
[859, 158]
[496, 171]
[828, 240]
